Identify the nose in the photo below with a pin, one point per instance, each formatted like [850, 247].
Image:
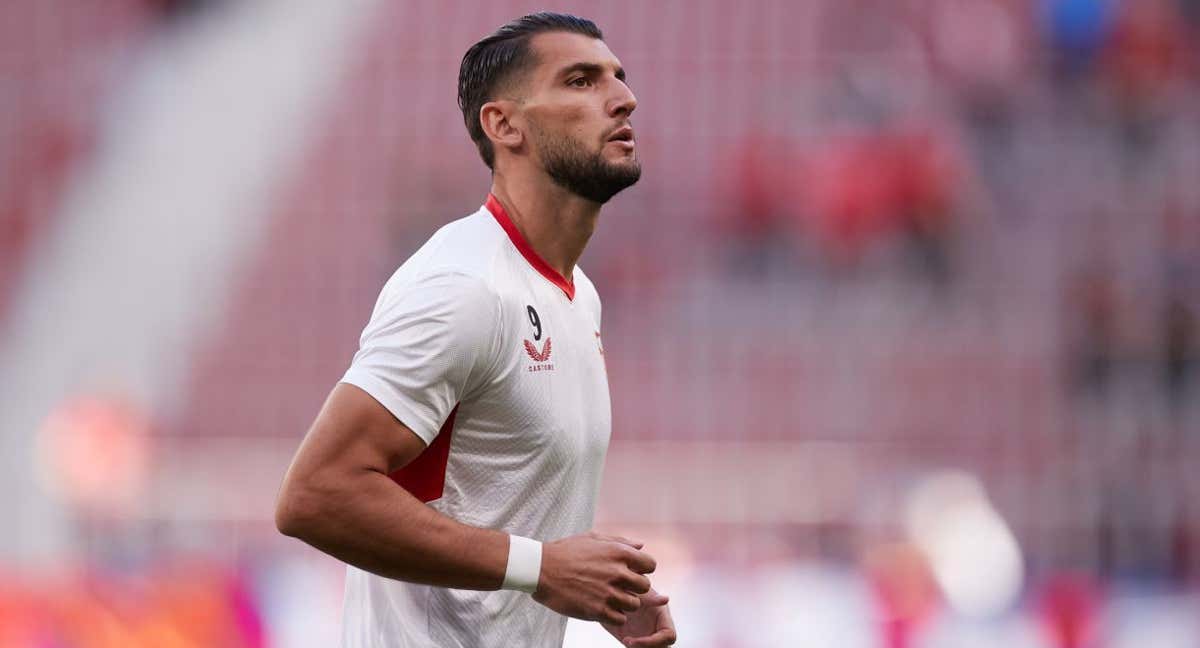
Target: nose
[623, 102]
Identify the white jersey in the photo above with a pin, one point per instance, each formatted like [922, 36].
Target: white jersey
[495, 361]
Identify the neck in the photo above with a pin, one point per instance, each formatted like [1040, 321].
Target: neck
[555, 222]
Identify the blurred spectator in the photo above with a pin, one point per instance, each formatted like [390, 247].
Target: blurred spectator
[1180, 337]
[983, 51]
[1070, 607]
[1147, 49]
[979, 47]
[1076, 30]
[905, 591]
[929, 181]
[1092, 335]
[1143, 61]
[1184, 537]
[760, 217]
[1179, 340]
[897, 185]
[853, 185]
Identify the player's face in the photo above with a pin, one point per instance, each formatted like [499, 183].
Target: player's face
[577, 107]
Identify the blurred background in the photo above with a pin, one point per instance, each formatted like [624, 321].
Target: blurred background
[900, 323]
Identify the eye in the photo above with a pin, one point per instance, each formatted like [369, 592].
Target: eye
[579, 82]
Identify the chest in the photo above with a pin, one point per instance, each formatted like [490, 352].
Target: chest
[549, 396]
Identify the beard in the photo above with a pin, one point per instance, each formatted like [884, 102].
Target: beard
[587, 175]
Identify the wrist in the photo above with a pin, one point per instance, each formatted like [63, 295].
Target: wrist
[524, 564]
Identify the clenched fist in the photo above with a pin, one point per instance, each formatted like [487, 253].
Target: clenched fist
[594, 577]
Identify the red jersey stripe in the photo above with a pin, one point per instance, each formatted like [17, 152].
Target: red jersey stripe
[425, 476]
[538, 263]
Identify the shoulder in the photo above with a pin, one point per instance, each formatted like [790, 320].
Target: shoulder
[466, 248]
[452, 271]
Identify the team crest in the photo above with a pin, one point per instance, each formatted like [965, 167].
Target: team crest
[538, 356]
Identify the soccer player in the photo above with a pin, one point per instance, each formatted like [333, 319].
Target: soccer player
[456, 466]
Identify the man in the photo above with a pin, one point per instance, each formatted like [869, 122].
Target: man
[456, 466]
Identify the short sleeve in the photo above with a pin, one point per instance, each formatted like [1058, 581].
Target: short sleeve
[428, 343]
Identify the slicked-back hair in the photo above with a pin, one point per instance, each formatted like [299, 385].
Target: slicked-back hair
[499, 59]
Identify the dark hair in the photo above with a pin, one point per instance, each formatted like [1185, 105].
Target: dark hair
[497, 59]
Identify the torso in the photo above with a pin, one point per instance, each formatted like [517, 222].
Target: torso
[525, 452]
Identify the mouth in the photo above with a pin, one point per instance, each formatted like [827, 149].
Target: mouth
[624, 137]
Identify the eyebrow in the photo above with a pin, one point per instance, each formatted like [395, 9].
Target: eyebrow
[591, 69]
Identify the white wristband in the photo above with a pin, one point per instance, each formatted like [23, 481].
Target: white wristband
[524, 564]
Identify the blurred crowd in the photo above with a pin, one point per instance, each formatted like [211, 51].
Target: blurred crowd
[1034, 160]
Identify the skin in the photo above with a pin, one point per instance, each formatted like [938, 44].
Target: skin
[337, 496]
[559, 98]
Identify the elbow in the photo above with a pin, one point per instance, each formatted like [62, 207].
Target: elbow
[295, 513]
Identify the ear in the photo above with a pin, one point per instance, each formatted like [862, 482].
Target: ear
[497, 119]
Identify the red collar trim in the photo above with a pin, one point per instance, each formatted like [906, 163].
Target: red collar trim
[526, 250]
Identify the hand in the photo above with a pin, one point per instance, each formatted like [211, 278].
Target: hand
[650, 626]
[594, 577]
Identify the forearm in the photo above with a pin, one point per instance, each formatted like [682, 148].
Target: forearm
[374, 524]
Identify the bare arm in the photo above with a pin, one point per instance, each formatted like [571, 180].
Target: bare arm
[337, 497]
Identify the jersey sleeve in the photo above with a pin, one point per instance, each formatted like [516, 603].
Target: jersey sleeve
[427, 345]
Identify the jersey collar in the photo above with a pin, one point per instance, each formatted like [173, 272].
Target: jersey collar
[526, 250]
